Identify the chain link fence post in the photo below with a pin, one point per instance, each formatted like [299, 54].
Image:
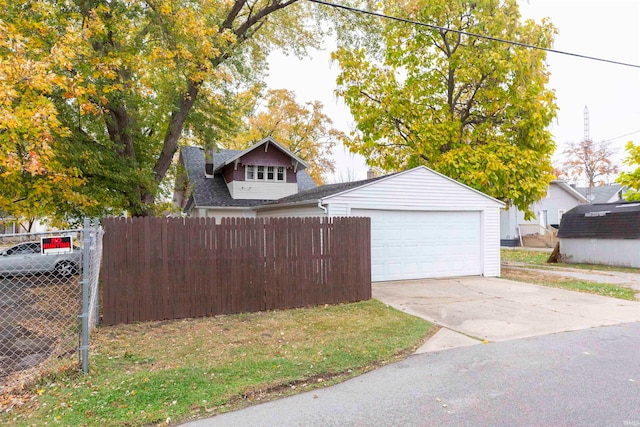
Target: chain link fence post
[96, 263]
[86, 257]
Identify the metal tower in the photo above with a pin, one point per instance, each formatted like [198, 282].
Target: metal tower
[586, 138]
[586, 123]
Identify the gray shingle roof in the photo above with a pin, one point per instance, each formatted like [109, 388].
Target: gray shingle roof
[211, 192]
[322, 191]
[602, 193]
[602, 221]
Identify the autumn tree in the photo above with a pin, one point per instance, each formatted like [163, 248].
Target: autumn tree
[631, 179]
[473, 108]
[589, 161]
[102, 92]
[32, 180]
[301, 128]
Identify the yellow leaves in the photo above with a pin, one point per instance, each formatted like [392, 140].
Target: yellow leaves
[166, 9]
[631, 179]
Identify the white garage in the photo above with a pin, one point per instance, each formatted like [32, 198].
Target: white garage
[423, 224]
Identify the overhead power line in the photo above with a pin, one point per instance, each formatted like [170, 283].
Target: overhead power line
[482, 36]
[622, 136]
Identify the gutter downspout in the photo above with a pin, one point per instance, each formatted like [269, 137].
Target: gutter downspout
[326, 211]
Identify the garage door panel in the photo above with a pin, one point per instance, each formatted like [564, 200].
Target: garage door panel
[412, 245]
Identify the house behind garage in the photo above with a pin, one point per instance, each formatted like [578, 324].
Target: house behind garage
[424, 224]
[607, 233]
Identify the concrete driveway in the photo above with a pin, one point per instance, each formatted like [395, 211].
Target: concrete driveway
[476, 309]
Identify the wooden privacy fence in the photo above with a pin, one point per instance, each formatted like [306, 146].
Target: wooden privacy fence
[172, 268]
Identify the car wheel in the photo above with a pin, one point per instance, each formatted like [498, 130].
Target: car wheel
[65, 269]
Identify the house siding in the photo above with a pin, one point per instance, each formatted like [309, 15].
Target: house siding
[338, 209]
[231, 173]
[272, 157]
[508, 223]
[556, 200]
[261, 190]
[292, 211]
[490, 225]
[618, 252]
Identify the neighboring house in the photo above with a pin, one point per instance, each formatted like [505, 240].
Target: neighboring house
[607, 233]
[7, 224]
[11, 225]
[548, 212]
[423, 224]
[603, 193]
[232, 182]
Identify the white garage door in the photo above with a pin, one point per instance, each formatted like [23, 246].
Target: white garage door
[416, 245]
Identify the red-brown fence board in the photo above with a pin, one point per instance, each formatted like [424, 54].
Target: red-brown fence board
[171, 268]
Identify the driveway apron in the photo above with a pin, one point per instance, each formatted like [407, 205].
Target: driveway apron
[473, 310]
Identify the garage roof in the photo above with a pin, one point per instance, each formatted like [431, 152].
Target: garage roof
[312, 195]
[602, 221]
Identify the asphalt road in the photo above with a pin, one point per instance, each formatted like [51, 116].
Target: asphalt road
[581, 378]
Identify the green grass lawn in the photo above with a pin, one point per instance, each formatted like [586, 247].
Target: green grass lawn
[538, 258]
[539, 278]
[164, 372]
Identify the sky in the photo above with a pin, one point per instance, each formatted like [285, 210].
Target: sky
[604, 29]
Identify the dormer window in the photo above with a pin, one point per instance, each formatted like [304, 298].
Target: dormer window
[265, 173]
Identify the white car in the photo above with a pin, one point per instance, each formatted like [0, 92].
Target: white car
[27, 258]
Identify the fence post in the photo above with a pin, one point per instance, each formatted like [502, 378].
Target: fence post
[94, 242]
[86, 252]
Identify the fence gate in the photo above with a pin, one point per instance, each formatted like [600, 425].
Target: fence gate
[42, 276]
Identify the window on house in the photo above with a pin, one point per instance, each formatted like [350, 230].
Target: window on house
[251, 173]
[265, 173]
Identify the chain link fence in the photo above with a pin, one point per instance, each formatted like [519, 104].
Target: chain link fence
[45, 317]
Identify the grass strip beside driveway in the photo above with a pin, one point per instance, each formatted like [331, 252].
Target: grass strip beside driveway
[539, 278]
[523, 255]
[164, 372]
[539, 259]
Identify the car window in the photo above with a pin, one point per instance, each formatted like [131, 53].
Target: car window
[34, 248]
[24, 249]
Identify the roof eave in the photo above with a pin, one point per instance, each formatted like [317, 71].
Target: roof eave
[225, 207]
[570, 190]
[311, 202]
